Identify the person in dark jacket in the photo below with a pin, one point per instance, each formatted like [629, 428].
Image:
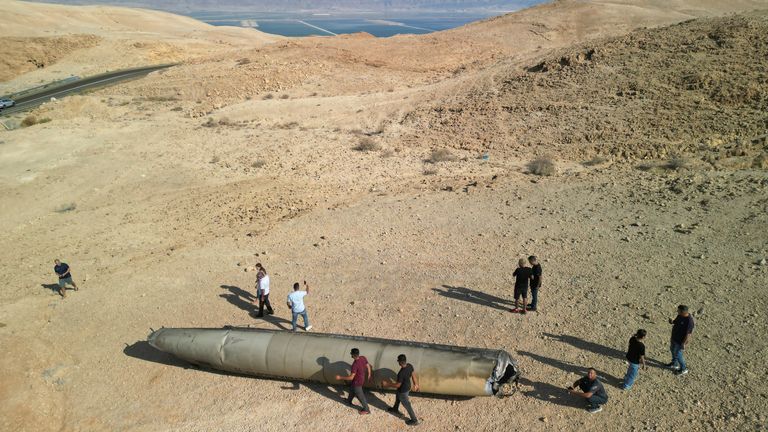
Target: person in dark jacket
[406, 381]
[62, 270]
[682, 327]
[591, 389]
[635, 357]
[535, 282]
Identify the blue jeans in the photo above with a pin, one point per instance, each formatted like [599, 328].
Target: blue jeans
[534, 297]
[596, 400]
[295, 318]
[631, 375]
[677, 355]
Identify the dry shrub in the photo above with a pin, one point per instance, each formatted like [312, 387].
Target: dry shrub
[268, 96]
[258, 164]
[597, 160]
[430, 171]
[388, 153]
[288, 125]
[646, 166]
[210, 123]
[542, 166]
[243, 61]
[366, 144]
[441, 155]
[215, 159]
[285, 96]
[29, 121]
[677, 163]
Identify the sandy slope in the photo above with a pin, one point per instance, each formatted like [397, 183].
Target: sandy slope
[185, 179]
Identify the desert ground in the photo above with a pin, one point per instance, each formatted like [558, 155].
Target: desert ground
[623, 143]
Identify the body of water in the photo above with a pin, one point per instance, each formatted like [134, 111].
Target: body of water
[328, 25]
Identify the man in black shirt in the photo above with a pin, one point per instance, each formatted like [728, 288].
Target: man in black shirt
[522, 276]
[592, 390]
[682, 327]
[65, 277]
[535, 282]
[635, 356]
[405, 377]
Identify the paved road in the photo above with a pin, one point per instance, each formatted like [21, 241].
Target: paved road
[30, 101]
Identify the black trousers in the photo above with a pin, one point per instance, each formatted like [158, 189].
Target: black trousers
[357, 392]
[402, 398]
[264, 301]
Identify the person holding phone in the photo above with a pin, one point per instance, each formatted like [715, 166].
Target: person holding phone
[296, 304]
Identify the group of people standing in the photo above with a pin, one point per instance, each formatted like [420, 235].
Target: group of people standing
[295, 300]
[591, 389]
[361, 372]
[524, 277]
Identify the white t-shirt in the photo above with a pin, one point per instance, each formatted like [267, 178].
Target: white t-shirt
[297, 301]
[264, 285]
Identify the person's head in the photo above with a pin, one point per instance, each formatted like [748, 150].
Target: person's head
[682, 310]
[56, 261]
[640, 334]
[533, 260]
[592, 374]
[296, 286]
[259, 266]
[355, 353]
[522, 262]
[401, 360]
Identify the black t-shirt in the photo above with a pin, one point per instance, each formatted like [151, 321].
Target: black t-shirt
[536, 282]
[522, 276]
[681, 326]
[62, 270]
[635, 351]
[404, 378]
[595, 387]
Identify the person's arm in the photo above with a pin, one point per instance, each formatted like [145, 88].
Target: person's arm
[288, 302]
[415, 380]
[349, 377]
[687, 339]
[306, 286]
[370, 373]
[642, 360]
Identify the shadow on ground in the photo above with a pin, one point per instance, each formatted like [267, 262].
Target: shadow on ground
[473, 296]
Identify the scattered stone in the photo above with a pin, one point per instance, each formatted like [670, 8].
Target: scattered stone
[646, 315]
[700, 312]
[761, 262]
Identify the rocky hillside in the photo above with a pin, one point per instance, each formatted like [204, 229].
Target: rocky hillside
[696, 88]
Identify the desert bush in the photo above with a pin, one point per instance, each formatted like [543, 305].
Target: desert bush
[210, 122]
[243, 61]
[645, 166]
[284, 96]
[258, 164]
[178, 108]
[542, 166]
[388, 153]
[288, 125]
[597, 160]
[215, 159]
[268, 96]
[366, 144]
[441, 155]
[677, 163]
[66, 208]
[430, 171]
[29, 121]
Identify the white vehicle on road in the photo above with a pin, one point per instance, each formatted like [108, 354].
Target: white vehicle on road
[6, 103]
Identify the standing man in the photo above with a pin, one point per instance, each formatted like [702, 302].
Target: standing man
[405, 377]
[360, 373]
[592, 390]
[262, 290]
[65, 277]
[296, 303]
[682, 327]
[522, 276]
[535, 282]
[635, 356]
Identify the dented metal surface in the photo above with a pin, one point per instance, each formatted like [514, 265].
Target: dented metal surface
[442, 369]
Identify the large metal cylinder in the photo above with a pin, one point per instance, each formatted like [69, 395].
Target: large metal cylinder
[442, 369]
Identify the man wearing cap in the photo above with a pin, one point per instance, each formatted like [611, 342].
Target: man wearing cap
[361, 372]
[682, 327]
[406, 380]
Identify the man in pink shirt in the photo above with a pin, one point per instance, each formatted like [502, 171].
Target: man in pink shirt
[360, 373]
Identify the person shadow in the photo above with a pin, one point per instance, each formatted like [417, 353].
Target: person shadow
[550, 393]
[244, 301]
[571, 368]
[52, 287]
[473, 296]
[596, 348]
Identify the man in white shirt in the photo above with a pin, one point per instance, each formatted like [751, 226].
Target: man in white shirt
[262, 291]
[296, 303]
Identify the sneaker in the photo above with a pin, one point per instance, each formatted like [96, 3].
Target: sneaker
[308, 328]
[271, 313]
[681, 372]
[363, 412]
[595, 409]
[412, 422]
[672, 366]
